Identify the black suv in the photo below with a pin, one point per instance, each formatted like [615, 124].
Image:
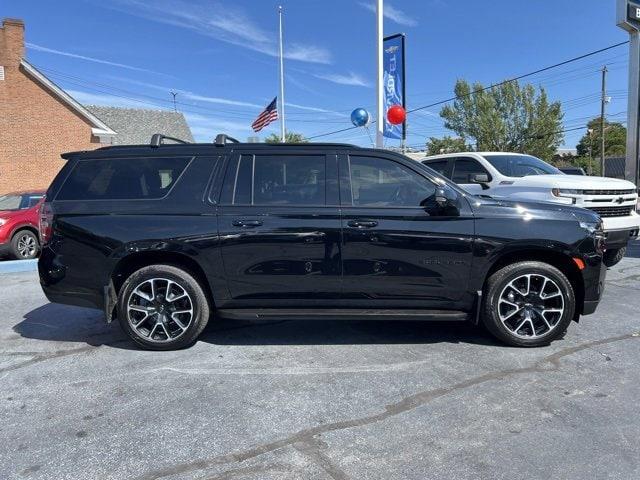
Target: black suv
[165, 236]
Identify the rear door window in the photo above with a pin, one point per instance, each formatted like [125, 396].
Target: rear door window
[439, 166]
[465, 168]
[278, 180]
[123, 178]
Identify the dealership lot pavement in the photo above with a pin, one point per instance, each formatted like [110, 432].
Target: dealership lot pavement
[321, 400]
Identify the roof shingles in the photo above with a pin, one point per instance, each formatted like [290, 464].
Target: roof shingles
[136, 126]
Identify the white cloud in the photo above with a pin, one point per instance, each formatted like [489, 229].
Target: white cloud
[39, 48]
[393, 14]
[311, 109]
[222, 22]
[185, 94]
[350, 79]
[218, 100]
[86, 98]
[204, 127]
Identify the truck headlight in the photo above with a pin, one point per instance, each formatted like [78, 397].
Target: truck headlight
[564, 192]
[591, 227]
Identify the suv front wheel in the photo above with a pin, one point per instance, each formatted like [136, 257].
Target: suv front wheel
[528, 304]
[162, 307]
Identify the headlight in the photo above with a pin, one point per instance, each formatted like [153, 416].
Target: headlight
[3, 221]
[591, 227]
[563, 192]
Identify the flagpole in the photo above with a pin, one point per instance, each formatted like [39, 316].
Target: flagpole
[282, 128]
[379, 74]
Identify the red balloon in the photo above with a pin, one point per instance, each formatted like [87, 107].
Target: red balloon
[396, 115]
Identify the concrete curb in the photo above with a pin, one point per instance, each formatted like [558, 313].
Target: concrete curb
[15, 266]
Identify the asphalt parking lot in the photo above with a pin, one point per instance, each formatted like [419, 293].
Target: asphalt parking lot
[318, 400]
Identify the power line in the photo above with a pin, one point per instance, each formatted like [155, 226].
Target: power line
[519, 77]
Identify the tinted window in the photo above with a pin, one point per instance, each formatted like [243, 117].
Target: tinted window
[440, 166]
[465, 168]
[384, 183]
[520, 165]
[31, 200]
[280, 180]
[244, 173]
[122, 178]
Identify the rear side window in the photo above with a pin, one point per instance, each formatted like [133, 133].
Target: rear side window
[122, 178]
[465, 168]
[440, 166]
[280, 180]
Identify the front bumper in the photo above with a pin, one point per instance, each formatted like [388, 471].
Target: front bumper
[628, 222]
[4, 249]
[593, 278]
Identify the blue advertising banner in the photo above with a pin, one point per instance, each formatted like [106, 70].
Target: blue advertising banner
[393, 66]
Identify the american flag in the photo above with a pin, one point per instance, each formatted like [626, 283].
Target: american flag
[268, 115]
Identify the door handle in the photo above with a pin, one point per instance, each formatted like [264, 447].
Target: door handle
[362, 223]
[247, 223]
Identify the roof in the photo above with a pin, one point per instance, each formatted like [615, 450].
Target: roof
[136, 126]
[98, 127]
[208, 148]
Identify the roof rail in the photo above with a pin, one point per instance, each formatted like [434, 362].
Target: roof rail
[158, 139]
[222, 139]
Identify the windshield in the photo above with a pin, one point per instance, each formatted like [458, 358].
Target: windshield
[521, 165]
[10, 202]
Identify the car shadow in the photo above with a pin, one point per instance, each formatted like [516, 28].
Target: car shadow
[61, 323]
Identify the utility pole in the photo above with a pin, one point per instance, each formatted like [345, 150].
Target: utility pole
[603, 105]
[590, 168]
[175, 94]
[283, 133]
[379, 74]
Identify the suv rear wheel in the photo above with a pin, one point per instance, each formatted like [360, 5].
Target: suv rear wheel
[162, 307]
[528, 304]
[25, 245]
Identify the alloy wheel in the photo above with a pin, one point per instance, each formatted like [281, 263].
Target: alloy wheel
[531, 305]
[27, 246]
[160, 310]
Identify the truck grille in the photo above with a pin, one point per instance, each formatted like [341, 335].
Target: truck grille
[613, 211]
[608, 192]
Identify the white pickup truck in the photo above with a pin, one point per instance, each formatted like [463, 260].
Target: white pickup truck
[523, 177]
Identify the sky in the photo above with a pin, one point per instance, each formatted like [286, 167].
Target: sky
[220, 56]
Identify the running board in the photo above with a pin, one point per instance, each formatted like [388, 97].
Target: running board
[341, 314]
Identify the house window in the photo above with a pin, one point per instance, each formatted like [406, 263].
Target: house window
[1, 73]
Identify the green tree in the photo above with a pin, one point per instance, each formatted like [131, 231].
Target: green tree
[290, 137]
[615, 140]
[507, 117]
[446, 144]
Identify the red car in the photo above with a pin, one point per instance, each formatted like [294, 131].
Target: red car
[19, 224]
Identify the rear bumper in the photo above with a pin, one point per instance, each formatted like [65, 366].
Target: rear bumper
[58, 287]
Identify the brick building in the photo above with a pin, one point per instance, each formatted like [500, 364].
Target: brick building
[39, 120]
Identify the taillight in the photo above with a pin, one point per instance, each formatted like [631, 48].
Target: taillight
[46, 222]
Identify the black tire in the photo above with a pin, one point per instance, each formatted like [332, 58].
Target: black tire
[546, 330]
[25, 245]
[161, 310]
[612, 257]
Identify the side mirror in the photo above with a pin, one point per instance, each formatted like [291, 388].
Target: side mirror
[444, 202]
[482, 179]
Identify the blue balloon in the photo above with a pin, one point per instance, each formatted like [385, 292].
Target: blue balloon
[360, 117]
